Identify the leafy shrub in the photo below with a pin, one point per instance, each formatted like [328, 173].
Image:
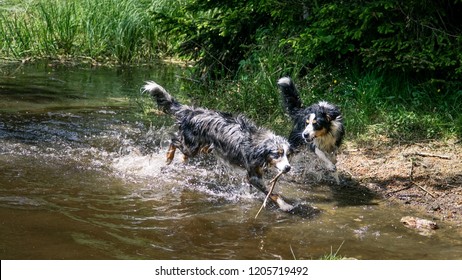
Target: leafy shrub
[410, 36]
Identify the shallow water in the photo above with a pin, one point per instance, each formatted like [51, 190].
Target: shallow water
[83, 176]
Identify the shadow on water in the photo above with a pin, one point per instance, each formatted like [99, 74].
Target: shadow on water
[352, 193]
[83, 176]
[309, 173]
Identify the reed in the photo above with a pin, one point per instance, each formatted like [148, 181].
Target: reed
[118, 30]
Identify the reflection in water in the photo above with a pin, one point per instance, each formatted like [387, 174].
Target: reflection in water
[82, 176]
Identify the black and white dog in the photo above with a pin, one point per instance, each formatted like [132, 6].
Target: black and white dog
[233, 138]
[319, 126]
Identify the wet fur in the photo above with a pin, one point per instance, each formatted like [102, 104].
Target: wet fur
[233, 138]
[318, 127]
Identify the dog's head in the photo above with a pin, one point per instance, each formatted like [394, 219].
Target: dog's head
[317, 125]
[274, 151]
[279, 158]
[318, 120]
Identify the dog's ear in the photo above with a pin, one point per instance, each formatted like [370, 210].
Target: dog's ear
[291, 150]
[328, 117]
[259, 155]
[330, 114]
[324, 112]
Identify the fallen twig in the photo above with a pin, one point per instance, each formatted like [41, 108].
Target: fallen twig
[422, 154]
[292, 251]
[422, 188]
[411, 180]
[273, 183]
[411, 172]
[396, 191]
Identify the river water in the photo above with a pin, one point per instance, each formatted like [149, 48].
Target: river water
[83, 176]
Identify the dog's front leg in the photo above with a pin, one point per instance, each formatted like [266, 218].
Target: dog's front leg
[328, 163]
[256, 180]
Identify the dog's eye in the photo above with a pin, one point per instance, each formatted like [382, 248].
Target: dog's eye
[276, 154]
[308, 121]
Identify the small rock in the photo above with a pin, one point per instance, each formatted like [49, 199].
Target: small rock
[418, 223]
[435, 207]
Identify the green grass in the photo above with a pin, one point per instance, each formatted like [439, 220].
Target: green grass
[115, 30]
[333, 255]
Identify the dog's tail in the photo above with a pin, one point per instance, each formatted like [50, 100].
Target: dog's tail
[164, 100]
[290, 97]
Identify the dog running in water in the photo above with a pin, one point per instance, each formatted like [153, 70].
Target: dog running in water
[318, 127]
[235, 139]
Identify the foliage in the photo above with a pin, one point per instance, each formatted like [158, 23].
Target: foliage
[216, 34]
[373, 103]
[410, 36]
[394, 67]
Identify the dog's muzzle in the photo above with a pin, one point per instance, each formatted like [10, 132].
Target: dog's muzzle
[283, 166]
[308, 137]
[286, 168]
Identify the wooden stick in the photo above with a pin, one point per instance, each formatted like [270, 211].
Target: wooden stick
[411, 172]
[292, 251]
[422, 154]
[402, 189]
[273, 183]
[422, 188]
[411, 180]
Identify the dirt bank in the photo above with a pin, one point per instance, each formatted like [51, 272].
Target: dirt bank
[427, 176]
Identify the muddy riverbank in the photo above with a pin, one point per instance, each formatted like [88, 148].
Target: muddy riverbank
[426, 176]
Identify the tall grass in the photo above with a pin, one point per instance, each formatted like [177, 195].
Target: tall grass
[118, 30]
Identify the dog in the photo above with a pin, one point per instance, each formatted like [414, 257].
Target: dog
[318, 127]
[235, 139]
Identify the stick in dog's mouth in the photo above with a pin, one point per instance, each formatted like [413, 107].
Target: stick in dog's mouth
[273, 183]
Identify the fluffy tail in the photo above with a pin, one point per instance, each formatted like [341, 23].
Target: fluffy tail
[290, 97]
[164, 100]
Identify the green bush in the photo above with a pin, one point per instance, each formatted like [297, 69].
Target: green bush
[409, 36]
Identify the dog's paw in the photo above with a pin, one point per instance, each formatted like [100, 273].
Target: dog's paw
[336, 177]
[284, 206]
